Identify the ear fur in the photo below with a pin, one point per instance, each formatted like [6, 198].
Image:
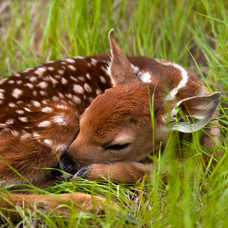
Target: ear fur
[192, 114]
[121, 70]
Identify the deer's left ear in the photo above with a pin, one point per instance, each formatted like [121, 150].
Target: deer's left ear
[120, 69]
[192, 114]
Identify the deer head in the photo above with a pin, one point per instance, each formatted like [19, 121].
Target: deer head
[118, 126]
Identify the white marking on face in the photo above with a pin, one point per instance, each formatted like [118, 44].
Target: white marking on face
[23, 119]
[40, 70]
[42, 85]
[103, 80]
[60, 120]
[64, 81]
[45, 123]
[17, 93]
[87, 88]
[71, 67]
[47, 109]
[78, 89]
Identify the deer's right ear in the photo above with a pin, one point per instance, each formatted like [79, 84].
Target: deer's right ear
[120, 69]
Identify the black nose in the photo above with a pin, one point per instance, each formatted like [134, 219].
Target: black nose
[65, 165]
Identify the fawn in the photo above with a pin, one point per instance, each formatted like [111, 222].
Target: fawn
[57, 111]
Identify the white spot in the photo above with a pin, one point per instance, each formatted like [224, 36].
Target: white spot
[61, 147]
[20, 102]
[23, 119]
[39, 71]
[69, 60]
[69, 96]
[78, 89]
[1, 95]
[17, 75]
[32, 78]
[11, 104]
[48, 142]
[98, 92]
[27, 109]
[16, 93]
[64, 81]
[60, 120]
[88, 75]
[44, 101]
[34, 93]
[145, 77]
[93, 61]
[76, 99]
[35, 135]
[46, 109]
[42, 85]
[43, 93]
[9, 121]
[61, 72]
[45, 123]
[51, 68]
[60, 95]
[50, 61]
[62, 106]
[78, 57]
[15, 133]
[81, 78]
[52, 80]
[103, 80]
[74, 79]
[20, 112]
[3, 80]
[11, 82]
[57, 76]
[71, 67]
[55, 98]
[87, 88]
[25, 135]
[29, 85]
[36, 104]
[2, 125]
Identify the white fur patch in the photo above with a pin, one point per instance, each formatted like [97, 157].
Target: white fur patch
[17, 93]
[45, 123]
[60, 120]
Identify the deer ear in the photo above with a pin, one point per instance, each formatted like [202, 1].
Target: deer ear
[192, 114]
[120, 69]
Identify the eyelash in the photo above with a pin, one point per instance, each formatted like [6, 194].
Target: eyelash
[117, 147]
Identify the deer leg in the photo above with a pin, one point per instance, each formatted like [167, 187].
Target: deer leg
[119, 171]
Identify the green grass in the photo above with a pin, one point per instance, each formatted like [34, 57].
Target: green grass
[192, 33]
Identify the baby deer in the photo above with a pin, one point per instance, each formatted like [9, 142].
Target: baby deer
[56, 110]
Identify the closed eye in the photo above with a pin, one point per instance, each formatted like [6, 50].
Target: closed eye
[117, 146]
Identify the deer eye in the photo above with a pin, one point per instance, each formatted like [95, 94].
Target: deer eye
[117, 146]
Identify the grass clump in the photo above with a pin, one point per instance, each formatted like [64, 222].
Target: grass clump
[191, 33]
